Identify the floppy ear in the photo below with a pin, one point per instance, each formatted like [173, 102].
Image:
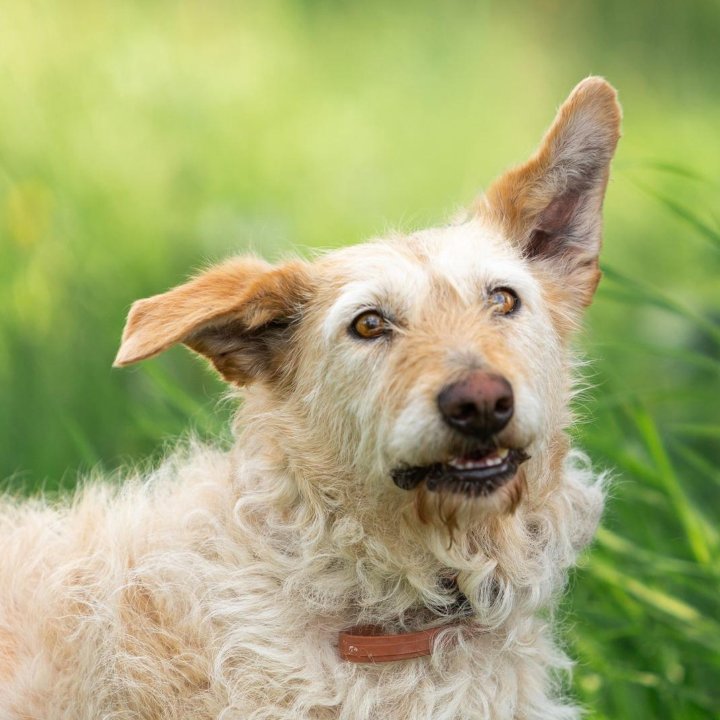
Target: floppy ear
[237, 314]
[551, 206]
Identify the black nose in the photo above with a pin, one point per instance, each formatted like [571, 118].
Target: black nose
[480, 405]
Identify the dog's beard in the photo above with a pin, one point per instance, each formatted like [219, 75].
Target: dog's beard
[455, 512]
[476, 482]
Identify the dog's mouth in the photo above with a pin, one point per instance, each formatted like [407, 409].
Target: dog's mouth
[476, 474]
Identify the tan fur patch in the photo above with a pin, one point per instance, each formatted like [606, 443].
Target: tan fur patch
[219, 314]
[517, 198]
[550, 206]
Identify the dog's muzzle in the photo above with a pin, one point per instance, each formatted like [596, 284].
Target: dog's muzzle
[477, 407]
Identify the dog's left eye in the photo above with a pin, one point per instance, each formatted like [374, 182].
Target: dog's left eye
[370, 325]
[503, 301]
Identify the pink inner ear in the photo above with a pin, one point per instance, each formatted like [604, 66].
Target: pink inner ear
[552, 225]
[557, 216]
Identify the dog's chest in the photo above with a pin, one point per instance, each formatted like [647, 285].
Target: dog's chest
[474, 675]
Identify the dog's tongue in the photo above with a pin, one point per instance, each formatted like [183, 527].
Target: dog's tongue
[478, 460]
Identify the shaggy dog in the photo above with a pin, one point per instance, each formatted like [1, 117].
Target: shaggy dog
[389, 533]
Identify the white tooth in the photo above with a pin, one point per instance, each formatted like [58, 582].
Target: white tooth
[491, 460]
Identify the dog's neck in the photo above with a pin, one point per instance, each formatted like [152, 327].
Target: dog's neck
[375, 565]
[371, 644]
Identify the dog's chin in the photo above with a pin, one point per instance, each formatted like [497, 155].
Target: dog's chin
[465, 489]
[477, 474]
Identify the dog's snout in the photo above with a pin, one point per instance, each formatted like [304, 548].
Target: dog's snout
[479, 405]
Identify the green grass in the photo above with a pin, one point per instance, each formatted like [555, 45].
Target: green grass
[141, 140]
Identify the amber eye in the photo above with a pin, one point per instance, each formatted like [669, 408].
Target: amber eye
[503, 301]
[369, 325]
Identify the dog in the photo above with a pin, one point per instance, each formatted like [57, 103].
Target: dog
[393, 525]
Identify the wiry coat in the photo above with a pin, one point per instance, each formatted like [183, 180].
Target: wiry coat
[216, 587]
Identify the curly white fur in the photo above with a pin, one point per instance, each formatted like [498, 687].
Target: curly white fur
[193, 594]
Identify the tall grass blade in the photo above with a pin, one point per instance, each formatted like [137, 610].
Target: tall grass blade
[692, 520]
[632, 290]
[684, 213]
[704, 630]
[672, 168]
[181, 400]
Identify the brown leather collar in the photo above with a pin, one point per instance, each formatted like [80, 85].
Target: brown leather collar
[368, 644]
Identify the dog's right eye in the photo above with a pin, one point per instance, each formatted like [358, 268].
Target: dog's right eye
[504, 301]
[369, 325]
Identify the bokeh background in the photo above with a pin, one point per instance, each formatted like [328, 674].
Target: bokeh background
[141, 140]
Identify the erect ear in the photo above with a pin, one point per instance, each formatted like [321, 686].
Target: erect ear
[551, 206]
[238, 314]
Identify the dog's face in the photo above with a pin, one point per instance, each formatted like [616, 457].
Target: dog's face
[433, 364]
[440, 353]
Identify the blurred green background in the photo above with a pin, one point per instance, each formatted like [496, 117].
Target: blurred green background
[141, 140]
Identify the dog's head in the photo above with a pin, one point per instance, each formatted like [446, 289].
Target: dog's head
[431, 365]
